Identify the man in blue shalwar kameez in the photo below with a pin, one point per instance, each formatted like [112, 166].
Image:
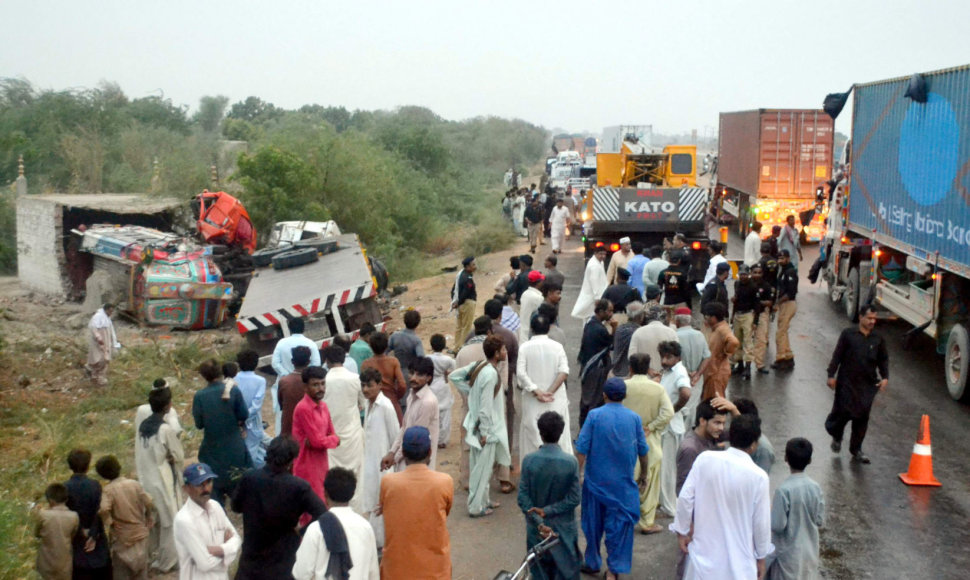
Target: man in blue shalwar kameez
[549, 495]
[610, 443]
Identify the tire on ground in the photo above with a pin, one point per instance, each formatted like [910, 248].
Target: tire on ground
[294, 258]
[956, 363]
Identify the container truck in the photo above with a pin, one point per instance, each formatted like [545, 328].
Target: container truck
[772, 164]
[899, 228]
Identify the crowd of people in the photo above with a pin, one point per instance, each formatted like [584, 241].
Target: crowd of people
[348, 485]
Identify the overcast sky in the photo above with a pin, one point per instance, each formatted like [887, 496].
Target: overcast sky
[570, 64]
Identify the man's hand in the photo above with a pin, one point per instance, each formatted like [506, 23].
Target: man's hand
[722, 404]
[882, 385]
[642, 482]
[831, 383]
[545, 531]
[537, 511]
[378, 511]
[387, 462]
[761, 568]
[227, 536]
[90, 545]
[613, 323]
[481, 440]
[544, 397]
[694, 378]
[216, 551]
[683, 541]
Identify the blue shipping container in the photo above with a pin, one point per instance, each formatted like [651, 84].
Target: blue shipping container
[910, 175]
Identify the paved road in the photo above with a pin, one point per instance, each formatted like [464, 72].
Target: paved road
[876, 526]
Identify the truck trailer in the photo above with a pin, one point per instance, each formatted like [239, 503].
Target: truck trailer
[772, 164]
[899, 227]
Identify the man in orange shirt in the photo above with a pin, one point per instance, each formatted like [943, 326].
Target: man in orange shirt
[415, 504]
[723, 344]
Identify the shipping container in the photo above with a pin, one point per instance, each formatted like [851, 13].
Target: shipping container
[771, 162]
[910, 171]
[899, 229]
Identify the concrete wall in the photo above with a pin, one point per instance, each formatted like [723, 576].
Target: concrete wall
[40, 250]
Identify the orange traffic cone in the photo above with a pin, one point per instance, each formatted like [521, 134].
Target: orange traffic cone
[921, 463]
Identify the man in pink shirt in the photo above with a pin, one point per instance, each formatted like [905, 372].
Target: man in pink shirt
[314, 431]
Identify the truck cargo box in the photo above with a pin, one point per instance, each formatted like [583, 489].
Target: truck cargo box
[910, 167]
[775, 153]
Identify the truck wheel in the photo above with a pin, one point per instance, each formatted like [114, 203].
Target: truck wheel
[850, 296]
[380, 274]
[294, 258]
[956, 362]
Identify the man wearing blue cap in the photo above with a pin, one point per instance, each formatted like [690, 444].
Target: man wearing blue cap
[611, 496]
[205, 539]
[415, 504]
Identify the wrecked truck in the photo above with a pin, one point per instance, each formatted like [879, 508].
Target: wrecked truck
[316, 273]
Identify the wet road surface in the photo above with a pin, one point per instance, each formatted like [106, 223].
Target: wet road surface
[876, 527]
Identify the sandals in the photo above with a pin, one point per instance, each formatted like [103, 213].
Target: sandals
[483, 513]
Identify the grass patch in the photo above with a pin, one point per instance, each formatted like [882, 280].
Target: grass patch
[60, 411]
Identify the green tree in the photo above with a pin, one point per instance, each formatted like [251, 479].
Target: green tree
[279, 186]
[210, 113]
[254, 110]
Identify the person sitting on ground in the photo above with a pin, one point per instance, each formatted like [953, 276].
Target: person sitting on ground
[797, 512]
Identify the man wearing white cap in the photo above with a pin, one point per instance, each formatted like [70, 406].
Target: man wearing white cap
[619, 260]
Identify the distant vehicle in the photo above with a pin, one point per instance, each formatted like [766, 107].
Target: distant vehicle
[897, 231]
[771, 164]
[647, 197]
[614, 137]
[568, 165]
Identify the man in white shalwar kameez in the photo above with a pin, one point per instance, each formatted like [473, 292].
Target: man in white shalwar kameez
[158, 462]
[345, 399]
[723, 520]
[484, 424]
[530, 301]
[558, 220]
[102, 342]
[542, 370]
[380, 432]
[594, 283]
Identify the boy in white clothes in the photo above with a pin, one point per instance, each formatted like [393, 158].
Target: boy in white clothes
[380, 432]
[443, 365]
